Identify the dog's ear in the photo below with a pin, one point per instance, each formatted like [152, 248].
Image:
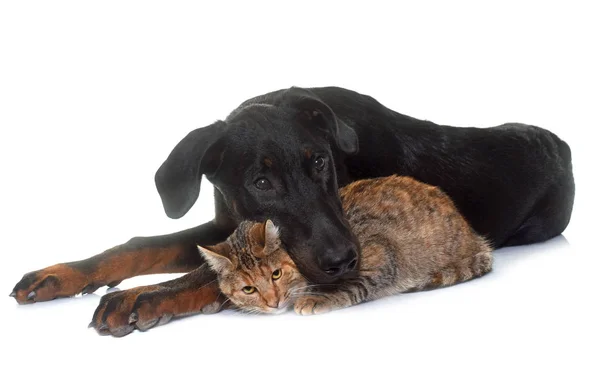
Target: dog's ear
[178, 178]
[314, 111]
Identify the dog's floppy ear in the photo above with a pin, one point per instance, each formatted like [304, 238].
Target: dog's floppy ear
[178, 178]
[314, 111]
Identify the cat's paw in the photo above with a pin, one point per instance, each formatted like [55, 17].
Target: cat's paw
[313, 305]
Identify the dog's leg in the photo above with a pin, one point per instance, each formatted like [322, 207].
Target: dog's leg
[159, 254]
[119, 313]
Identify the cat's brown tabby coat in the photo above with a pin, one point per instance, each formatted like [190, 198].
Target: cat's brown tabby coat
[412, 237]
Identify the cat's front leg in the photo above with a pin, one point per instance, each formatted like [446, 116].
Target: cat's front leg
[353, 292]
[322, 303]
[313, 305]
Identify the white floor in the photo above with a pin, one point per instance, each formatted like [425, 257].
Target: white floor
[93, 96]
[537, 312]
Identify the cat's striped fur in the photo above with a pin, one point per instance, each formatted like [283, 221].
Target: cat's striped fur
[412, 238]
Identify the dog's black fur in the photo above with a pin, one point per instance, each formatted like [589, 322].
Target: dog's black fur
[283, 156]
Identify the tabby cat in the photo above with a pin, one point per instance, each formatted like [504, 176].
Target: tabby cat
[412, 238]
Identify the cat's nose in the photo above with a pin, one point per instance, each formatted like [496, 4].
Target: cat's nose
[271, 299]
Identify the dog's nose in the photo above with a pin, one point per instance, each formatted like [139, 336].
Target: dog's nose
[338, 261]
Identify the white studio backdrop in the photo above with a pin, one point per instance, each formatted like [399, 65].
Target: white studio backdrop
[94, 95]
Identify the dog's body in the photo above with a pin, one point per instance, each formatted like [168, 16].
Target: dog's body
[513, 183]
[283, 156]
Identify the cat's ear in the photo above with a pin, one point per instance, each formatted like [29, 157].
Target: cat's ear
[271, 235]
[266, 235]
[217, 256]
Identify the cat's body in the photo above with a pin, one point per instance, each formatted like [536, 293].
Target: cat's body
[412, 237]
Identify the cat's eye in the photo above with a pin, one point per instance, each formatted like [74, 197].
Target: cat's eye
[276, 274]
[263, 184]
[319, 163]
[249, 289]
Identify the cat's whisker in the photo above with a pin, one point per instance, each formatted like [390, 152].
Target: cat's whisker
[308, 294]
[311, 286]
[223, 304]
[303, 287]
[208, 283]
[297, 289]
[323, 284]
[251, 310]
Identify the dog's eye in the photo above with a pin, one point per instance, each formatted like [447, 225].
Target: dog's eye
[262, 184]
[319, 163]
[248, 289]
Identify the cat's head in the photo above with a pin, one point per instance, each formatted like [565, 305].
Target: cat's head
[253, 269]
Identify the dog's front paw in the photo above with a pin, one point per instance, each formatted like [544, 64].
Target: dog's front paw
[56, 281]
[116, 313]
[313, 305]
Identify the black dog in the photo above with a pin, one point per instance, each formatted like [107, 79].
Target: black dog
[283, 156]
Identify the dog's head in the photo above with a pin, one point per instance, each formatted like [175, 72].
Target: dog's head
[276, 161]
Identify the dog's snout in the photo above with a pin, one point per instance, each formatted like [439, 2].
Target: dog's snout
[339, 260]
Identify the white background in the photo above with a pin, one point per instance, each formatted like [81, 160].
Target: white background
[93, 96]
